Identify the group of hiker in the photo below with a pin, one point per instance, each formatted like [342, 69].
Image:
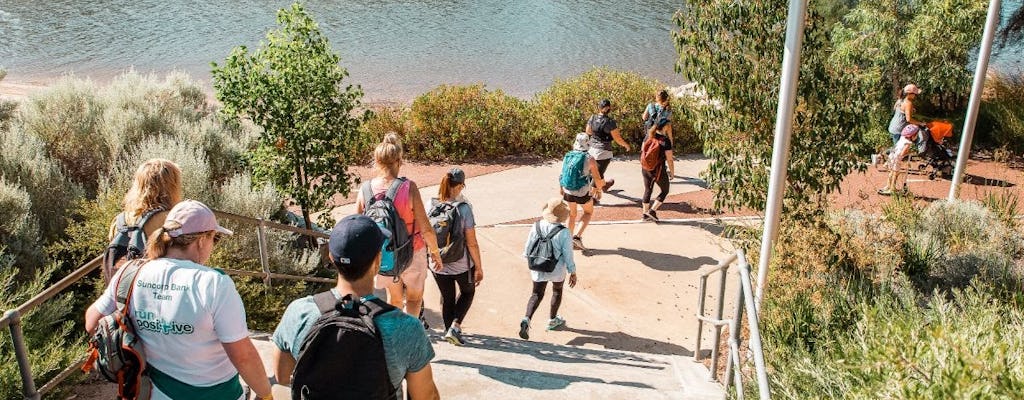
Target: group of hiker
[168, 326]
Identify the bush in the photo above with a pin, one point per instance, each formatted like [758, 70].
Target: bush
[49, 329]
[23, 160]
[1001, 118]
[19, 228]
[452, 123]
[384, 119]
[563, 109]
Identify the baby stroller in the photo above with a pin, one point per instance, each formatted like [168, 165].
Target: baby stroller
[936, 158]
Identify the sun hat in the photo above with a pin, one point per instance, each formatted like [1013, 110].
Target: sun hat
[555, 210]
[190, 216]
[604, 103]
[355, 241]
[582, 142]
[911, 88]
[456, 176]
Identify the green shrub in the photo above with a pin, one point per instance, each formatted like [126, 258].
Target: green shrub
[466, 123]
[19, 228]
[49, 329]
[564, 108]
[383, 120]
[67, 117]
[1001, 118]
[23, 160]
[195, 170]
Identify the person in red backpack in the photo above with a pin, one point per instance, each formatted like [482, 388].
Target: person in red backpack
[657, 166]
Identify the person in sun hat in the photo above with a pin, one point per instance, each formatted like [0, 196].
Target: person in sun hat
[554, 214]
[188, 316]
[580, 168]
[355, 252]
[603, 130]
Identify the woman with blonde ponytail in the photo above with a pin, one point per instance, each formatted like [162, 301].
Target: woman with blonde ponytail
[387, 159]
[188, 316]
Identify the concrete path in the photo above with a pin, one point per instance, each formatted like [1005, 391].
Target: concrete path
[518, 193]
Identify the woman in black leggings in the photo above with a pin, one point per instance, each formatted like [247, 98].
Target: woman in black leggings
[555, 214]
[660, 174]
[466, 270]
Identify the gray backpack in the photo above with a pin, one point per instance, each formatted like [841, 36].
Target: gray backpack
[541, 255]
[114, 349]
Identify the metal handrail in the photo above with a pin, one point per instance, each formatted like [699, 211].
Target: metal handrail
[12, 319]
[744, 300]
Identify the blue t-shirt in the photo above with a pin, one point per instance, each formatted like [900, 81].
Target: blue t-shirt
[406, 347]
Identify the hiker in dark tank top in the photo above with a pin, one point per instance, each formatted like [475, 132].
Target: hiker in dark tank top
[603, 129]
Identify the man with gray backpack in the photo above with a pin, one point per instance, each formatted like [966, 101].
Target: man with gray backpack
[346, 343]
[579, 175]
[548, 255]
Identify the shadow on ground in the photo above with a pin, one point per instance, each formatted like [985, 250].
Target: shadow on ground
[535, 380]
[568, 354]
[658, 261]
[625, 342]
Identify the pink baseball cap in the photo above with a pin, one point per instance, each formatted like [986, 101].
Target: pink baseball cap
[193, 217]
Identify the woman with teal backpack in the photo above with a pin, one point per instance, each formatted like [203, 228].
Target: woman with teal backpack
[577, 181]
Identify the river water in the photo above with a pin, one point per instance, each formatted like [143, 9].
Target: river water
[395, 49]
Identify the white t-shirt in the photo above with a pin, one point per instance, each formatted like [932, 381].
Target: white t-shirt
[183, 311]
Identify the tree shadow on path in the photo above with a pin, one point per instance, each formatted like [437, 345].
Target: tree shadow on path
[658, 261]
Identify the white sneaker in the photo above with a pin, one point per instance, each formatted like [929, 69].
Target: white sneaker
[556, 322]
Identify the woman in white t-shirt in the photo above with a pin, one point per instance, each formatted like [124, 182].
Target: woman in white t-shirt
[188, 317]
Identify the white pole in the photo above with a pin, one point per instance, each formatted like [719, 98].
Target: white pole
[972, 107]
[783, 133]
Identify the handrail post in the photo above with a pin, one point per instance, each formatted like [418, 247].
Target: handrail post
[28, 385]
[700, 313]
[734, 344]
[753, 326]
[717, 337]
[264, 256]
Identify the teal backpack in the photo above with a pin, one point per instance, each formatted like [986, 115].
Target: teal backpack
[573, 165]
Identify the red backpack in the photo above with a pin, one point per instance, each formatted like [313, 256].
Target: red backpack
[651, 156]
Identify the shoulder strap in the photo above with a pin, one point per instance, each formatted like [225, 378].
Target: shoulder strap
[393, 190]
[325, 301]
[551, 235]
[367, 193]
[125, 284]
[121, 222]
[536, 228]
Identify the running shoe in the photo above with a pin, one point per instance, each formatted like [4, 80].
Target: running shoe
[454, 336]
[556, 322]
[524, 329]
[885, 192]
[646, 216]
[577, 243]
[426, 326]
[653, 215]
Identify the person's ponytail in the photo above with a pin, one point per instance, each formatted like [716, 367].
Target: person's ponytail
[157, 244]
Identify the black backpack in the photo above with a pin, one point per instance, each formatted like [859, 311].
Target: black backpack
[128, 243]
[598, 126]
[396, 253]
[541, 255]
[342, 357]
[446, 220]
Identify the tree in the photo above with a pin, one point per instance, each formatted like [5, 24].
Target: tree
[292, 88]
[734, 51]
[888, 44]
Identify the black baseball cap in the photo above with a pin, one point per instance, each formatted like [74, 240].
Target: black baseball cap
[456, 176]
[604, 103]
[355, 242]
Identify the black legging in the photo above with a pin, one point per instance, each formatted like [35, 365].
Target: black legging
[649, 182]
[602, 165]
[454, 308]
[538, 295]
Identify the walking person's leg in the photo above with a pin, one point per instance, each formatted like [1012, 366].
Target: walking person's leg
[531, 306]
[467, 290]
[556, 302]
[414, 277]
[662, 182]
[602, 166]
[588, 212]
[572, 216]
[648, 190]
[446, 285]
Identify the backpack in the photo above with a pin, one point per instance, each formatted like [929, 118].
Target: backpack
[598, 125]
[342, 356]
[446, 220]
[652, 118]
[651, 156]
[573, 166]
[128, 243]
[114, 349]
[396, 253]
[540, 255]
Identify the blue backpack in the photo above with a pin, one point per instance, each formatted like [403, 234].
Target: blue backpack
[573, 165]
[396, 253]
